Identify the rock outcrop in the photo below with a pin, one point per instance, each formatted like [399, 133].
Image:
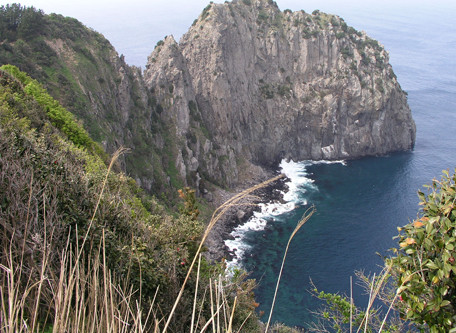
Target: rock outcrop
[246, 86]
[249, 84]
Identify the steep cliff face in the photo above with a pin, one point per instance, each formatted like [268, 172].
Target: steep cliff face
[81, 69]
[246, 86]
[268, 85]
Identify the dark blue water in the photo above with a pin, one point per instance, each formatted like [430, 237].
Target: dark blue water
[360, 204]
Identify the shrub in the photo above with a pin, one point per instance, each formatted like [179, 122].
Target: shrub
[206, 10]
[425, 263]
[283, 90]
[262, 15]
[59, 116]
[267, 91]
[346, 52]
[340, 34]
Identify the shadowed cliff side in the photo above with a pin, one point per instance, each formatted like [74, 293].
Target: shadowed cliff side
[265, 85]
[246, 86]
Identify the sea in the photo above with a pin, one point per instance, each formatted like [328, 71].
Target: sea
[359, 203]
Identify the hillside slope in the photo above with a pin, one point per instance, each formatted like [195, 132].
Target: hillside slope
[246, 86]
[81, 69]
[61, 207]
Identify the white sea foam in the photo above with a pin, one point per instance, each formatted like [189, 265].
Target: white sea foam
[297, 174]
[298, 183]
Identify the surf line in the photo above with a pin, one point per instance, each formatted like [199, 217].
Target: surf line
[298, 183]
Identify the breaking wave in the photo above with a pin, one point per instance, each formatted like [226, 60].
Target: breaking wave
[298, 184]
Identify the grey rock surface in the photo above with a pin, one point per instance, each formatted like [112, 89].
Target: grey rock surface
[250, 85]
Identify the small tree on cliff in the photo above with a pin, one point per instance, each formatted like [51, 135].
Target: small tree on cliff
[425, 264]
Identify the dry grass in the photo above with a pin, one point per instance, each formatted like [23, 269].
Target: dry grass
[303, 220]
[81, 294]
[218, 213]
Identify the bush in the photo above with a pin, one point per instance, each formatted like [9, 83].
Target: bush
[206, 10]
[267, 91]
[59, 116]
[340, 34]
[425, 264]
[54, 197]
[346, 52]
[262, 15]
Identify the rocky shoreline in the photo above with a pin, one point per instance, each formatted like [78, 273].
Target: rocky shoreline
[240, 214]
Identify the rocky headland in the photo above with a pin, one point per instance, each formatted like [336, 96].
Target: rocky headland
[262, 85]
[247, 86]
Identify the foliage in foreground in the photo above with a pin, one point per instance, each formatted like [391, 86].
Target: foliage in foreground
[341, 314]
[423, 270]
[425, 261]
[82, 247]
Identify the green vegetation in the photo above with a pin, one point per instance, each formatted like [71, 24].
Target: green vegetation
[346, 52]
[309, 33]
[419, 280]
[364, 58]
[262, 15]
[80, 69]
[18, 22]
[340, 34]
[424, 264]
[379, 85]
[61, 74]
[283, 90]
[267, 91]
[72, 226]
[59, 116]
[206, 10]
[379, 60]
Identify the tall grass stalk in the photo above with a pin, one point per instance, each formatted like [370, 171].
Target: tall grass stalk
[196, 295]
[369, 305]
[351, 304]
[218, 213]
[82, 295]
[303, 220]
[375, 290]
[232, 316]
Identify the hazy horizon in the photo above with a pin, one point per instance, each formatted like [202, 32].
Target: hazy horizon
[135, 29]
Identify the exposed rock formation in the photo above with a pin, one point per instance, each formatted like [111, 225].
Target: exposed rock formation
[251, 84]
[246, 86]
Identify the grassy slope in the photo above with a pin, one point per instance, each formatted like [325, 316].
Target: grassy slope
[51, 180]
[81, 70]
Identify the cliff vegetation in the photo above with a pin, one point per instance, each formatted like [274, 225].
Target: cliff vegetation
[93, 243]
[82, 246]
[245, 87]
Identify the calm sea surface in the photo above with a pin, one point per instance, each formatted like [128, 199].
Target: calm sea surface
[360, 203]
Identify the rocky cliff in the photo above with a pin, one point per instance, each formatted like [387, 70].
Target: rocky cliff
[262, 85]
[246, 86]
[82, 70]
